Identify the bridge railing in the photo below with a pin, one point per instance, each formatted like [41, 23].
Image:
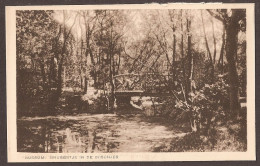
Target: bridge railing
[148, 82]
[128, 82]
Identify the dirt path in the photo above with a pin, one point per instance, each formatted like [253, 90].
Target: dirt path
[93, 133]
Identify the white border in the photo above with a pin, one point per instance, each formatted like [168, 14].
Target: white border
[14, 156]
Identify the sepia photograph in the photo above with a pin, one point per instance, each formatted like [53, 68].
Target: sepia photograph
[131, 80]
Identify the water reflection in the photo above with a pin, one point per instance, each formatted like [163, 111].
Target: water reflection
[86, 133]
[65, 141]
[53, 136]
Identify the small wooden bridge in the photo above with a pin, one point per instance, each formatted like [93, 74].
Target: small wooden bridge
[147, 84]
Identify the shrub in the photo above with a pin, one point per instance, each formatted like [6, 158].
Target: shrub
[206, 106]
[94, 102]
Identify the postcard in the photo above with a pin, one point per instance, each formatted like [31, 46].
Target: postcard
[142, 82]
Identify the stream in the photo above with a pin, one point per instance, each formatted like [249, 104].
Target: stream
[93, 133]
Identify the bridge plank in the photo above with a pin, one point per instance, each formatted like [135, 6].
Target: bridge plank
[140, 93]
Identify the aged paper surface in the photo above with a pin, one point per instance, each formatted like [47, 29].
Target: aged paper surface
[67, 145]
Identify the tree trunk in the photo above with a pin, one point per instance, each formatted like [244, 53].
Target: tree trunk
[112, 95]
[113, 66]
[64, 76]
[52, 75]
[86, 85]
[111, 69]
[232, 28]
[92, 61]
[182, 54]
[118, 64]
[231, 51]
[59, 83]
[43, 74]
[173, 61]
[221, 55]
[214, 43]
[189, 56]
[60, 66]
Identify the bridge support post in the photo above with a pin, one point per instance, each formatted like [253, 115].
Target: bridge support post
[123, 101]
